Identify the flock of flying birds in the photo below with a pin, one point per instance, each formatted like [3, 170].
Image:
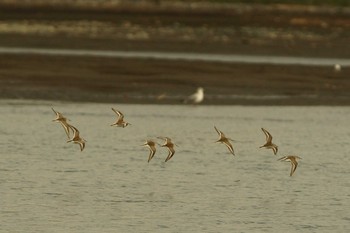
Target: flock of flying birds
[151, 144]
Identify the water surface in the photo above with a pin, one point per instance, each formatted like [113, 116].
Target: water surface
[48, 185]
[226, 58]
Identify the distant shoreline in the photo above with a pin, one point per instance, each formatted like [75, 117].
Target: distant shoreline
[251, 30]
[151, 81]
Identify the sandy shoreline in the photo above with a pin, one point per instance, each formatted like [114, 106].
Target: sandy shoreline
[94, 79]
[273, 30]
[288, 30]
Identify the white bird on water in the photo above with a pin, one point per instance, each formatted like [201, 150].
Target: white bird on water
[195, 98]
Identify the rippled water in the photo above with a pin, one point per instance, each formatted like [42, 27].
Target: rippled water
[48, 185]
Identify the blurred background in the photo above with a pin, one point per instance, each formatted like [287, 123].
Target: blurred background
[144, 58]
[265, 28]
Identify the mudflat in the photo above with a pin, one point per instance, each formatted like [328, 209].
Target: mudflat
[274, 30]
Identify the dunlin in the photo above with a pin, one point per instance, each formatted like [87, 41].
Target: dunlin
[170, 145]
[76, 138]
[152, 148]
[269, 144]
[61, 119]
[293, 161]
[195, 98]
[225, 140]
[120, 120]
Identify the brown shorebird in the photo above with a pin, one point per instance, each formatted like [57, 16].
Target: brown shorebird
[61, 119]
[269, 144]
[152, 148]
[170, 145]
[120, 120]
[293, 161]
[225, 140]
[76, 138]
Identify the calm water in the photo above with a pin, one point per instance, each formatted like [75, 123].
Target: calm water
[230, 58]
[48, 185]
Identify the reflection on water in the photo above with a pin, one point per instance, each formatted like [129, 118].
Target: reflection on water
[48, 185]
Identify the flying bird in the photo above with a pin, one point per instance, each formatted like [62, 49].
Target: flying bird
[120, 120]
[170, 145]
[269, 144]
[152, 148]
[76, 138]
[293, 161]
[225, 140]
[62, 120]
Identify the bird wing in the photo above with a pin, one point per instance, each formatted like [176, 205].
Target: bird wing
[119, 113]
[82, 145]
[66, 127]
[294, 166]
[267, 134]
[282, 159]
[219, 132]
[59, 115]
[275, 149]
[152, 151]
[171, 153]
[54, 111]
[229, 146]
[75, 131]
